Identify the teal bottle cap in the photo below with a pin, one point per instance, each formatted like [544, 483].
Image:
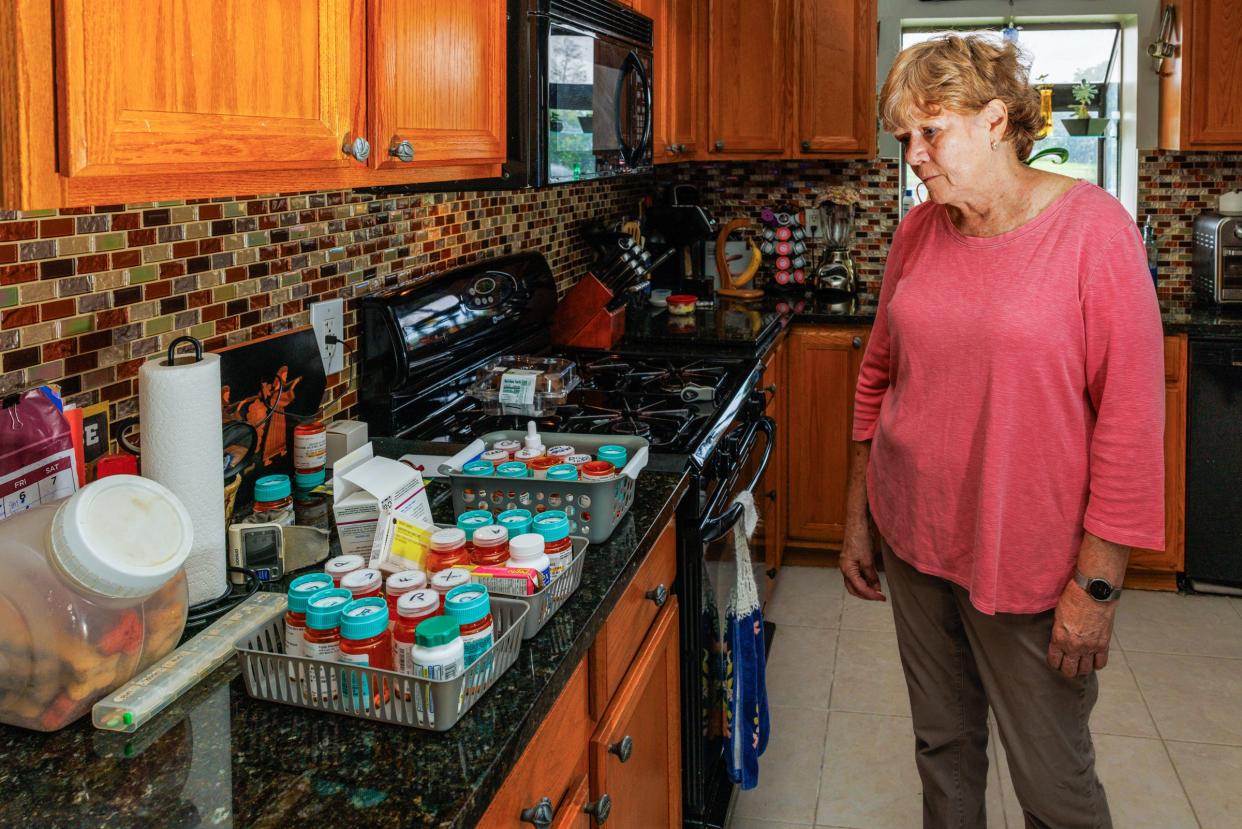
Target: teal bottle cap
[553, 525]
[272, 488]
[438, 630]
[303, 587]
[614, 453]
[468, 603]
[484, 468]
[516, 521]
[563, 472]
[308, 480]
[323, 609]
[364, 618]
[512, 469]
[471, 520]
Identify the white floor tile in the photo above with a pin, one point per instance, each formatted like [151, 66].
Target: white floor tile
[870, 780]
[1192, 698]
[800, 666]
[752, 823]
[1212, 778]
[1120, 709]
[1142, 787]
[868, 677]
[806, 596]
[860, 614]
[1160, 622]
[789, 770]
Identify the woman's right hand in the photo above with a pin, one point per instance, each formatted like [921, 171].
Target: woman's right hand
[857, 561]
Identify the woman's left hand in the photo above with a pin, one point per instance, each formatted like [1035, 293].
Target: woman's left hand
[1081, 630]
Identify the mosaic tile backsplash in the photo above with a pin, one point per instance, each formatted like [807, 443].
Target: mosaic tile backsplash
[88, 294]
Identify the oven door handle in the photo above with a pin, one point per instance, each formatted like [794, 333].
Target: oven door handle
[717, 527]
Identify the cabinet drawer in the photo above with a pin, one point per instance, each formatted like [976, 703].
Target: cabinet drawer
[627, 625]
[551, 763]
[570, 814]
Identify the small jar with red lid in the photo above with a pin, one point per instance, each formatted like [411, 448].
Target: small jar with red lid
[398, 584]
[412, 609]
[338, 567]
[597, 471]
[364, 583]
[310, 447]
[447, 549]
[490, 546]
[539, 466]
[553, 525]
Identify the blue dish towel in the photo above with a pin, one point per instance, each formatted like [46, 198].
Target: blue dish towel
[746, 693]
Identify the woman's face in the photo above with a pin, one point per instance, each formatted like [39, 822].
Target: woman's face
[951, 153]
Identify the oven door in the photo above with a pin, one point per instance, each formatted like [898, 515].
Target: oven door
[598, 115]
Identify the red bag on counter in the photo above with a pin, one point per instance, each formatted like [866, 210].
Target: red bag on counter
[36, 452]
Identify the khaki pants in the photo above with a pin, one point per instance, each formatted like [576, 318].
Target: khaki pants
[958, 662]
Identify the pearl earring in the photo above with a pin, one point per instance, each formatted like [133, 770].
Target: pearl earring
[994, 145]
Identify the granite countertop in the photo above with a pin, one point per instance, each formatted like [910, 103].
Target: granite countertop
[1197, 321]
[217, 757]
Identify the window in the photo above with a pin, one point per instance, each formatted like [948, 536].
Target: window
[1064, 55]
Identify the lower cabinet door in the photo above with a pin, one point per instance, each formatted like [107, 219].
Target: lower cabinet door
[636, 750]
[571, 814]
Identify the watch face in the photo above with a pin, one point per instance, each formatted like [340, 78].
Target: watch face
[1100, 589]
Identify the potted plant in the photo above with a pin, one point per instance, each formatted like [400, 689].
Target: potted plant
[1082, 124]
[555, 124]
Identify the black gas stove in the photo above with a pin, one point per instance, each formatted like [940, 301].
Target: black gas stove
[421, 348]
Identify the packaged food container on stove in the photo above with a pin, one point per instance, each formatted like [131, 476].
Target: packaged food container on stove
[528, 386]
[91, 593]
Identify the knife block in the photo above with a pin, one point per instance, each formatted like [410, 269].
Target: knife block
[581, 320]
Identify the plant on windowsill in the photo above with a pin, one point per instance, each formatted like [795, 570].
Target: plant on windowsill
[1082, 124]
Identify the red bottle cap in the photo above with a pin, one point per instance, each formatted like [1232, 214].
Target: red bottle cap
[116, 463]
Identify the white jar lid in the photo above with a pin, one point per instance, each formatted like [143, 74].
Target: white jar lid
[491, 534]
[122, 536]
[527, 545]
[417, 603]
[406, 580]
[343, 564]
[362, 580]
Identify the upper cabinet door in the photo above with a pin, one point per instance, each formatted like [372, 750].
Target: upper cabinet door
[749, 74]
[438, 81]
[687, 32]
[1212, 42]
[186, 87]
[835, 89]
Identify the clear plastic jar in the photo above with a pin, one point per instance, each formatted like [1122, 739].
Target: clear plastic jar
[447, 549]
[92, 593]
[491, 545]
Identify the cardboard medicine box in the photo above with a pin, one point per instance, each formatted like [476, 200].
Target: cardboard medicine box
[364, 488]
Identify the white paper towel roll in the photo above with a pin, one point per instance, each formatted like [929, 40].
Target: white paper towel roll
[182, 448]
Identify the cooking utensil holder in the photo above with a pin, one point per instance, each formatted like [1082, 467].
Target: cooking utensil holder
[582, 321]
[594, 508]
[374, 694]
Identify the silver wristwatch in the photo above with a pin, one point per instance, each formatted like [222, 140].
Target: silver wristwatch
[1101, 590]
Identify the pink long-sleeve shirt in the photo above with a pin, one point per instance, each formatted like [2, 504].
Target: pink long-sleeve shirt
[1013, 392]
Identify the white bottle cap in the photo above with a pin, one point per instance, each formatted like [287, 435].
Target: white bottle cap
[122, 536]
[362, 581]
[527, 545]
[491, 534]
[417, 603]
[406, 580]
[343, 564]
[448, 537]
[533, 440]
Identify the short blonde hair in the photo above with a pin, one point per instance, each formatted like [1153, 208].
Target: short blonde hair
[962, 73]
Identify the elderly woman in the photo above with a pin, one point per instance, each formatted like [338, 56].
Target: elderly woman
[1008, 438]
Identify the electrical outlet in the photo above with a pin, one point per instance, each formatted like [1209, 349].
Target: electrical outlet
[810, 222]
[328, 318]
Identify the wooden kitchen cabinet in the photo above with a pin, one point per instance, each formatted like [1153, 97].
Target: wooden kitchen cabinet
[1158, 568]
[771, 496]
[749, 70]
[628, 686]
[1199, 104]
[823, 370]
[680, 35]
[436, 66]
[834, 88]
[143, 100]
[636, 750]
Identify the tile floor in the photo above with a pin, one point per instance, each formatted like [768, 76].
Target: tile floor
[1168, 724]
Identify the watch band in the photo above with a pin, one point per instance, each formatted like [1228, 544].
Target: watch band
[1095, 587]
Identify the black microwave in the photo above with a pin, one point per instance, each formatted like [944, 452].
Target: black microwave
[579, 96]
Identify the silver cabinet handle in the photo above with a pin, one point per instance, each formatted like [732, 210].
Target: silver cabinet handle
[857, 342]
[622, 749]
[358, 148]
[540, 815]
[657, 594]
[600, 809]
[402, 150]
